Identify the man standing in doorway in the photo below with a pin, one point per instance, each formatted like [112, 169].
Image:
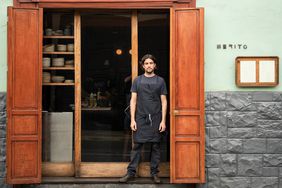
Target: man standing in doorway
[148, 106]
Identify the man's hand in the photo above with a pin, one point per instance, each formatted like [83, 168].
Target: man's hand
[162, 127]
[133, 125]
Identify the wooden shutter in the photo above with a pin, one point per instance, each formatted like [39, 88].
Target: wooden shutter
[187, 96]
[24, 96]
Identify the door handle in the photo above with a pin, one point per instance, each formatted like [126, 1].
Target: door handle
[175, 112]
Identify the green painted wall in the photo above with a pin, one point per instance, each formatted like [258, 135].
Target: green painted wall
[3, 44]
[254, 23]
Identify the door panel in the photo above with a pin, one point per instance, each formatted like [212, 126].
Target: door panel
[24, 96]
[187, 96]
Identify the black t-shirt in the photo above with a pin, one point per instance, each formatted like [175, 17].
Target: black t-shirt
[149, 91]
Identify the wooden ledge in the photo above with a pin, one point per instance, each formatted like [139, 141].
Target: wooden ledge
[63, 180]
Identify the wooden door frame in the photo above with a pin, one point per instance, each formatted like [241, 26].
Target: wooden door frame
[105, 4]
[70, 169]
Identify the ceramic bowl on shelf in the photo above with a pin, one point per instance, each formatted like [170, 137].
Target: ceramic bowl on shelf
[46, 77]
[69, 62]
[58, 79]
[46, 62]
[70, 47]
[49, 48]
[58, 32]
[69, 81]
[48, 31]
[61, 47]
[67, 31]
[58, 62]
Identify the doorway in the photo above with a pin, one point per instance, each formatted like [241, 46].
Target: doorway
[107, 69]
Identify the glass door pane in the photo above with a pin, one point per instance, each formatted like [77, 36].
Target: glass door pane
[153, 38]
[105, 86]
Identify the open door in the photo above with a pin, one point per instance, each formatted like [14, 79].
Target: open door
[24, 96]
[187, 96]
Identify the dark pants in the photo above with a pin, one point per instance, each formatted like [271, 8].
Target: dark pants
[136, 155]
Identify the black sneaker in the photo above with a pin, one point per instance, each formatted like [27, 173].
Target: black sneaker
[156, 179]
[126, 178]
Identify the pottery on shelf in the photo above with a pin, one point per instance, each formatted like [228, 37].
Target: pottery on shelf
[70, 47]
[46, 62]
[58, 79]
[49, 48]
[58, 62]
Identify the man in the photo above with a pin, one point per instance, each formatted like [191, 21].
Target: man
[148, 106]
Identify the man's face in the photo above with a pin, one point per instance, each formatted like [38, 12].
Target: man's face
[149, 66]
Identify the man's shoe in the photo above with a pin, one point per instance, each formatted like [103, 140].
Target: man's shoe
[156, 179]
[126, 178]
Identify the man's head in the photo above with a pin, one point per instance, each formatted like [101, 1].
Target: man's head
[148, 63]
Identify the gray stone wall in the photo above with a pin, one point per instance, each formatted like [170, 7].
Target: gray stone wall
[244, 139]
[3, 139]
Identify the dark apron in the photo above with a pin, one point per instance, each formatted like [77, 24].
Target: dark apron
[148, 112]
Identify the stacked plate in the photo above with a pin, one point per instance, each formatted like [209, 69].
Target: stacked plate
[61, 47]
[49, 48]
[70, 47]
[46, 62]
[58, 79]
[46, 77]
[69, 63]
[58, 62]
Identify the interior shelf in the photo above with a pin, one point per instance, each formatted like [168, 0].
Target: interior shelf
[64, 53]
[58, 37]
[58, 68]
[58, 84]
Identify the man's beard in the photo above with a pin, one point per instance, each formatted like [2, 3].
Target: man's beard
[151, 71]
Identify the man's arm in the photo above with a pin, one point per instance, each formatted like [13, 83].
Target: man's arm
[164, 109]
[133, 110]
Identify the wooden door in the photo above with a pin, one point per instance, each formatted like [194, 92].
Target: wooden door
[187, 96]
[24, 96]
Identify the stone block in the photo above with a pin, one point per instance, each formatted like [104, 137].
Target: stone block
[242, 132]
[207, 140]
[3, 183]
[216, 118]
[217, 101]
[2, 149]
[262, 96]
[269, 129]
[264, 182]
[270, 110]
[212, 160]
[2, 102]
[254, 145]
[270, 171]
[207, 101]
[277, 96]
[242, 119]
[274, 160]
[235, 182]
[2, 169]
[274, 146]
[2, 118]
[2, 131]
[218, 132]
[234, 146]
[280, 171]
[213, 177]
[228, 165]
[218, 145]
[239, 101]
[249, 165]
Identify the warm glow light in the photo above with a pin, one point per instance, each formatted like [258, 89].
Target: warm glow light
[130, 51]
[118, 51]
